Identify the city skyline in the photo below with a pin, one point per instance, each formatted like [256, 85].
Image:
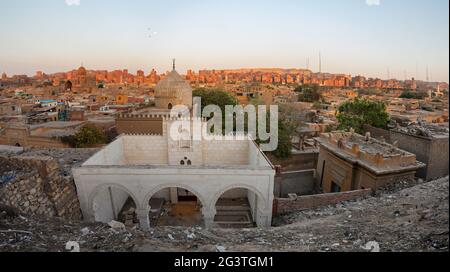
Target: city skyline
[402, 39]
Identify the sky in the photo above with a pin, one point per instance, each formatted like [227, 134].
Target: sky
[374, 38]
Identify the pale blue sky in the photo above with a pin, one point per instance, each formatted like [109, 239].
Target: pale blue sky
[353, 37]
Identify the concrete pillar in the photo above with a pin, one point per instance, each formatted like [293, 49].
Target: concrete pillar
[174, 195]
[144, 220]
[264, 219]
[208, 217]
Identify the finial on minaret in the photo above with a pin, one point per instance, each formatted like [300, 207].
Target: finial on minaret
[174, 64]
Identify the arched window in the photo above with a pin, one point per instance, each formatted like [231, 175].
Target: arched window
[170, 106]
[182, 162]
[189, 162]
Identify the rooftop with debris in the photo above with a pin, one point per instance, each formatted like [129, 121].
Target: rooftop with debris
[424, 130]
[377, 156]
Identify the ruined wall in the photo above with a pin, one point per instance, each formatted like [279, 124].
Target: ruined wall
[297, 161]
[34, 186]
[378, 133]
[288, 205]
[298, 182]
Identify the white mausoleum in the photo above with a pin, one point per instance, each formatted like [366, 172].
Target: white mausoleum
[145, 166]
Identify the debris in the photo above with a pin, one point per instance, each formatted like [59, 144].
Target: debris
[85, 231]
[373, 246]
[73, 246]
[221, 249]
[170, 237]
[117, 226]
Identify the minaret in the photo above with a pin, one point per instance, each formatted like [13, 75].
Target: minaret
[173, 64]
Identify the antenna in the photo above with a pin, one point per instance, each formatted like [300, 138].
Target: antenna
[428, 75]
[320, 62]
[307, 63]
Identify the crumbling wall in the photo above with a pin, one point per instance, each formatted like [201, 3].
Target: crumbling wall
[295, 204]
[34, 186]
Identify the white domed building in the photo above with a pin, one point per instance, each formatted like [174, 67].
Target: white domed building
[173, 90]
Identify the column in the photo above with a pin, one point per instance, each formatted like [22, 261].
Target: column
[144, 220]
[208, 217]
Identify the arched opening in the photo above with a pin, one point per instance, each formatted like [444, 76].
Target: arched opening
[175, 207]
[114, 203]
[237, 208]
[18, 145]
[170, 106]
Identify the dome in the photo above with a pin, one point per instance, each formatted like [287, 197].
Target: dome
[173, 90]
[82, 71]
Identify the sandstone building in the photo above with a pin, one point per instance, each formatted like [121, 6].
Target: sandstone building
[349, 161]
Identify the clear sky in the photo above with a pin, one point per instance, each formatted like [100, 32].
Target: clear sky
[367, 37]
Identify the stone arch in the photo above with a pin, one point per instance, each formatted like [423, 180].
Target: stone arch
[161, 187]
[237, 186]
[239, 214]
[97, 189]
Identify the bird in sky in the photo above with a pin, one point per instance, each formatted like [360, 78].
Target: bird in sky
[151, 33]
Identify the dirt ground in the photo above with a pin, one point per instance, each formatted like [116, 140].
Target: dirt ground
[407, 220]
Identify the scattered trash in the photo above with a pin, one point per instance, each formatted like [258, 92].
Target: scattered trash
[221, 249]
[117, 226]
[73, 246]
[85, 231]
[372, 246]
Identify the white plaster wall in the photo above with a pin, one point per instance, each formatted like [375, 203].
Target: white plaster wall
[221, 153]
[163, 194]
[235, 193]
[207, 184]
[145, 150]
[110, 155]
[103, 208]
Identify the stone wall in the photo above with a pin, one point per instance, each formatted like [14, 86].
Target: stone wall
[294, 204]
[431, 151]
[298, 182]
[35, 186]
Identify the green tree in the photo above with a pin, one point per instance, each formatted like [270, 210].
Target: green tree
[90, 136]
[309, 93]
[216, 97]
[359, 112]
[408, 94]
[221, 98]
[284, 149]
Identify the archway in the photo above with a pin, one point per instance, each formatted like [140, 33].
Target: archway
[170, 106]
[175, 206]
[237, 207]
[111, 202]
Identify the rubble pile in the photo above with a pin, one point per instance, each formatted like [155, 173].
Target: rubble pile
[421, 129]
[410, 219]
[40, 182]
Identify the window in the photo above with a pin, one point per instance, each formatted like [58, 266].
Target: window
[335, 188]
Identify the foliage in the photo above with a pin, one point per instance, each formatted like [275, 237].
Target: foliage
[408, 94]
[221, 98]
[87, 136]
[216, 97]
[359, 112]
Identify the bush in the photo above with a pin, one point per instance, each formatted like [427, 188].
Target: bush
[359, 112]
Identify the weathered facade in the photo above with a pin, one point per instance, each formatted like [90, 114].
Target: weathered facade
[431, 148]
[348, 161]
[142, 166]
